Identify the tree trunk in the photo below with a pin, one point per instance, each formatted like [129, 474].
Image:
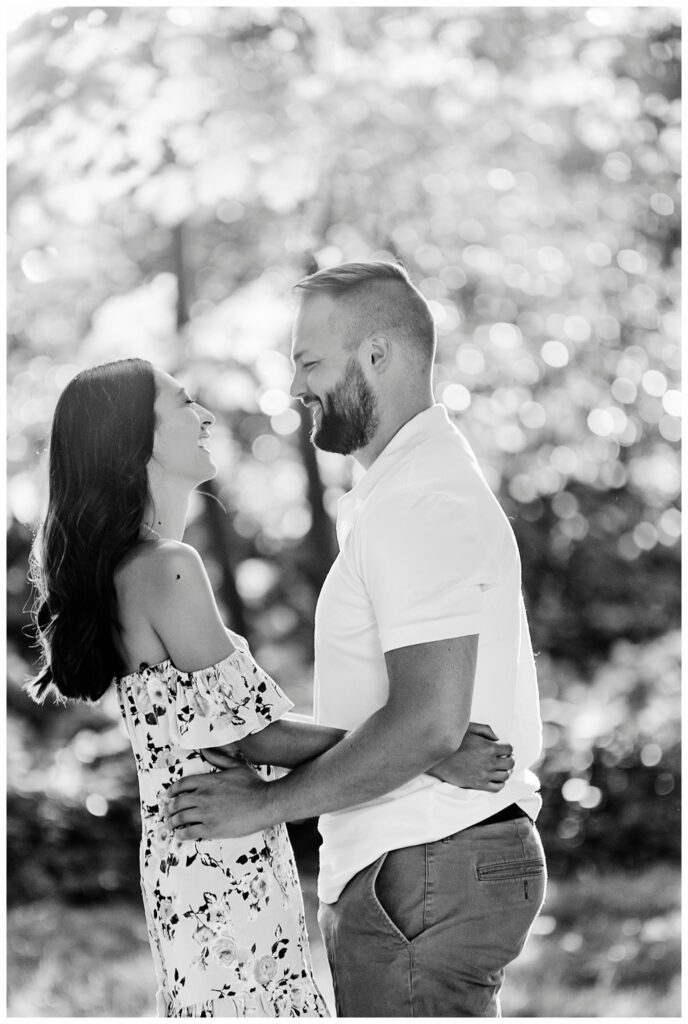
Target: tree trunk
[221, 541]
[321, 540]
[218, 524]
[180, 274]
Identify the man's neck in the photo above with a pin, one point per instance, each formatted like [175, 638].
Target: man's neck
[386, 431]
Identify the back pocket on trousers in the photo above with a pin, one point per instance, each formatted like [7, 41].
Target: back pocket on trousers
[502, 871]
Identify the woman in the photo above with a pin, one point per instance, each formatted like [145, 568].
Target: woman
[121, 598]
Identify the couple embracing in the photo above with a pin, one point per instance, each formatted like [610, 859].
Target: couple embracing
[426, 707]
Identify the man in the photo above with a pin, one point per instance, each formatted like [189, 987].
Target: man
[427, 890]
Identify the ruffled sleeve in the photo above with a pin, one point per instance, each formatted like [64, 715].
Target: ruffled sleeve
[223, 703]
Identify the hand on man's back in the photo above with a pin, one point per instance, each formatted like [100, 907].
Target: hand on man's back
[481, 762]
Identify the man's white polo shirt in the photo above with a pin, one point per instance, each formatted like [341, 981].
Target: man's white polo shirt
[426, 553]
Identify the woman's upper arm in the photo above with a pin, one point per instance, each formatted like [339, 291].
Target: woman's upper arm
[182, 609]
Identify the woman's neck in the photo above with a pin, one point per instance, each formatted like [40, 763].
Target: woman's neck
[165, 515]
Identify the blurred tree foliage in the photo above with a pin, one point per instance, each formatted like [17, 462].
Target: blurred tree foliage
[173, 171]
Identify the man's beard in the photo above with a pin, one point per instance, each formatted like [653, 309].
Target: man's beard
[350, 417]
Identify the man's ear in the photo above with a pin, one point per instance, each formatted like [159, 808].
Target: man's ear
[378, 352]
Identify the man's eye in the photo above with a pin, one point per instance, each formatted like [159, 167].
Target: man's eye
[309, 366]
[189, 401]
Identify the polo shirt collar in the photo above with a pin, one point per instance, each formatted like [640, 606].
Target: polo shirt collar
[419, 428]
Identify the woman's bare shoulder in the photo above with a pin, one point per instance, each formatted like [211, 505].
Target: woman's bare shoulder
[159, 563]
[173, 592]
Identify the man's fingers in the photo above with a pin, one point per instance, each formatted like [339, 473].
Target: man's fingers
[186, 785]
[505, 762]
[183, 802]
[185, 816]
[503, 750]
[480, 729]
[204, 783]
[190, 832]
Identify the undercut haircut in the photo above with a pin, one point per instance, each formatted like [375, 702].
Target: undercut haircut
[376, 296]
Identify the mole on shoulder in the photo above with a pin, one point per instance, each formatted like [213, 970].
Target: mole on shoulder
[178, 576]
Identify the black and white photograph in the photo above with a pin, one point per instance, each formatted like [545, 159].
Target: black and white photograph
[343, 492]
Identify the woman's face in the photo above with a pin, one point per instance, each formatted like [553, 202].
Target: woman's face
[181, 432]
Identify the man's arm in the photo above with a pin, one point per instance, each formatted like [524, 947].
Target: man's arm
[481, 762]
[424, 720]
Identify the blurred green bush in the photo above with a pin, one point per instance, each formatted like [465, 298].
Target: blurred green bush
[610, 780]
[611, 774]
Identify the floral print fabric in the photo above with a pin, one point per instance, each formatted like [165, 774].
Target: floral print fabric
[225, 917]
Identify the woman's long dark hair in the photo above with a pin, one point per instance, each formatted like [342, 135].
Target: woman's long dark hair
[100, 445]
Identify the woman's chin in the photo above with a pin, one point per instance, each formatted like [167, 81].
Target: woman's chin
[202, 472]
[206, 466]
[211, 471]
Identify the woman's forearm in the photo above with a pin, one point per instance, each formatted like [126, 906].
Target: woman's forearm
[289, 744]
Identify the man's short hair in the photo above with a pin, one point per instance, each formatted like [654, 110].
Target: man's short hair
[376, 295]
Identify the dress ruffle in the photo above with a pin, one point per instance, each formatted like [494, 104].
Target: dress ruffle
[206, 708]
[305, 1002]
[223, 703]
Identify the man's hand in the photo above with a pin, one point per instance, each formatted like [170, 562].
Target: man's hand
[481, 762]
[425, 717]
[217, 805]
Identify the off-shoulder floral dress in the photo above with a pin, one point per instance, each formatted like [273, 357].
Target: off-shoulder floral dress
[225, 917]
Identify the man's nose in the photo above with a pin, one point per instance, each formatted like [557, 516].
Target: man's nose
[297, 389]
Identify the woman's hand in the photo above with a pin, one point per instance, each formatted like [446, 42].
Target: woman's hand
[225, 756]
[481, 762]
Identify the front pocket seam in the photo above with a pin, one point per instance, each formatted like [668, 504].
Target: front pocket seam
[382, 913]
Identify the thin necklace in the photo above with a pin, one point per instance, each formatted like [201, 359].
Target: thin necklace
[151, 530]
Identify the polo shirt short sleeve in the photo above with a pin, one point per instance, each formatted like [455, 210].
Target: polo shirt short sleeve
[424, 567]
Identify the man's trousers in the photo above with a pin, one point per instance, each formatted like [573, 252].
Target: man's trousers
[426, 931]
